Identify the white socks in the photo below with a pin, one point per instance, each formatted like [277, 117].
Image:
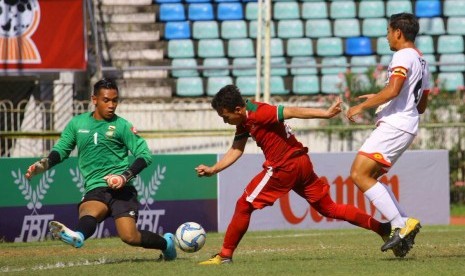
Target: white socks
[380, 196]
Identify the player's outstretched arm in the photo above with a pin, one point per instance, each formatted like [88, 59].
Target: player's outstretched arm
[311, 113]
[43, 164]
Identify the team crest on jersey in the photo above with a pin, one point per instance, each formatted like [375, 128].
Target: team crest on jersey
[110, 131]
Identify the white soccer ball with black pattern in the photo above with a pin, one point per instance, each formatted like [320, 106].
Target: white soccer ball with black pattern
[190, 237]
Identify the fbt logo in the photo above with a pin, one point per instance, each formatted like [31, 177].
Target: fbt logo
[345, 193]
[34, 228]
[149, 220]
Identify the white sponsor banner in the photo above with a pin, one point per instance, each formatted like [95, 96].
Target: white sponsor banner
[420, 180]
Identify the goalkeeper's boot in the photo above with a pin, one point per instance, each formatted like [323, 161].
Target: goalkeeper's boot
[399, 250]
[169, 254]
[60, 231]
[406, 233]
[217, 260]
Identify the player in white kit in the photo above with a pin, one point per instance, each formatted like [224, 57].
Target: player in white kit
[399, 105]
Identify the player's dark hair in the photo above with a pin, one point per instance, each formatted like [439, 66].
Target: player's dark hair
[228, 97]
[105, 84]
[407, 23]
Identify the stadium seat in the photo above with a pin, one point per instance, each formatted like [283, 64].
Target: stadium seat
[277, 86]
[251, 11]
[189, 87]
[215, 62]
[200, 11]
[358, 46]
[233, 29]
[172, 12]
[177, 30]
[456, 25]
[448, 44]
[197, 1]
[210, 48]
[278, 71]
[299, 47]
[230, 11]
[205, 29]
[382, 46]
[346, 27]
[398, 6]
[425, 44]
[374, 27]
[452, 58]
[332, 84]
[427, 8]
[214, 84]
[431, 59]
[314, 10]
[253, 29]
[342, 9]
[371, 9]
[329, 46]
[290, 28]
[180, 48]
[385, 60]
[252, 62]
[363, 62]
[184, 62]
[167, 1]
[431, 26]
[276, 47]
[333, 65]
[451, 81]
[454, 8]
[303, 61]
[315, 28]
[305, 85]
[247, 85]
[286, 10]
[240, 47]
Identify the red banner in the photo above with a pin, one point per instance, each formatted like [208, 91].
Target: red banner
[44, 35]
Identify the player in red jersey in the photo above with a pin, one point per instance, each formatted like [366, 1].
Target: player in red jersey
[287, 166]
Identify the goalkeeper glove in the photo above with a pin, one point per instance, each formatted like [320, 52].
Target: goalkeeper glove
[117, 181]
[36, 168]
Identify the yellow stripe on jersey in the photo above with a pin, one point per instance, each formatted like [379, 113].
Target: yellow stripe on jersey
[399, 72]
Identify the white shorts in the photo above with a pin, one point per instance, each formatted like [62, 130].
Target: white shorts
[386, 144]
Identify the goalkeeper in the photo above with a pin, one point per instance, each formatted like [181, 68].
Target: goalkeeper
[103, 140]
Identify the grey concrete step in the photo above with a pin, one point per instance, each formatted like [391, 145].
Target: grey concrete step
[132, 36]
[146, 17]
[133, 54]
[141, 92]
[126, 9]
[127, 2]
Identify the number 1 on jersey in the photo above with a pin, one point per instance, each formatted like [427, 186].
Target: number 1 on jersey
[95, 138]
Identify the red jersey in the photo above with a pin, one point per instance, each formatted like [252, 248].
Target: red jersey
[265, 124]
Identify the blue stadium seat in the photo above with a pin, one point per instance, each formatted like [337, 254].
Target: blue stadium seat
[398, 6]
[210, 48]
[167, 1]
[360, 64]
[197, 1]
[299, 47]
[230, 11]
[181, 48]
[278, 71]
[200, 11]
[329, 46]
[214, 84]
[371, 9]
[240, 47]
[290, 28]
[253, 29]
[431, 26]
[314, 10]
[233, 29]
[189, 87]
[250, 62]
[358, 46]
[431, 59]
[346, 27]
[332, 84]
[205, 29]
[276, 47]
[333, 65]
[374, 27]
[184, 62]
[385, 60]
[247, 85]
[277, 86]
[303, 61]
[454, 8]
[172, 12]
[177, 30]
[427, 8]
[342, 9]
[425, 44]
[286, 10]
[215, 62]
[451, 81]
[448, 44]
[382, 46]
[456, 25]
[251, 11]
[315, 28]
[305, 85]
[452, 58]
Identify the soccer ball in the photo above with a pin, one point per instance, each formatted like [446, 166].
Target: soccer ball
[190, 237]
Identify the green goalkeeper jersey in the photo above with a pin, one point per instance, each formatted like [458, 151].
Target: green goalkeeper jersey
[102, 146]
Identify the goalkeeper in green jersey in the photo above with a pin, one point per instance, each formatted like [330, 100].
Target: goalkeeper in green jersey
[103, 140]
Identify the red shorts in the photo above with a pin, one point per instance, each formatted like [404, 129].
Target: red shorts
[295, 174]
